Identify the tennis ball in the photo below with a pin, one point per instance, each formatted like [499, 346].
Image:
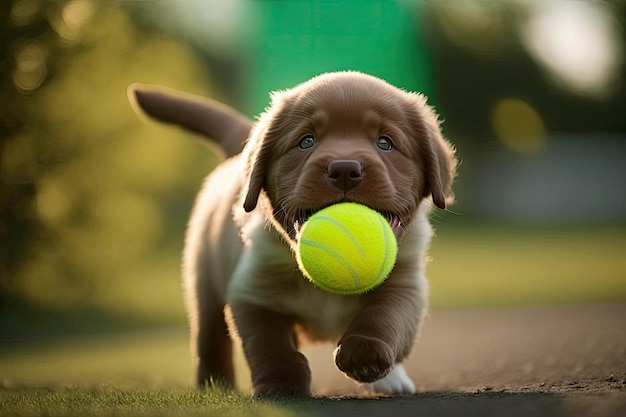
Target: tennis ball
[346, 248]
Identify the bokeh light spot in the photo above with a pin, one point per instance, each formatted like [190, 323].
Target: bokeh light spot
[578, 44]
[518, 125]
[77, 12]
[72, 19]
[30, 67]
[23, 11]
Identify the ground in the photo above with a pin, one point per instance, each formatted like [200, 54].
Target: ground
[540, 361]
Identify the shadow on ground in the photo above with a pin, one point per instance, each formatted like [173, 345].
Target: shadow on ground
[536, 404]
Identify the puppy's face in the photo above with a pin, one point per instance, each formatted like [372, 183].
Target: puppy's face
[347, 137]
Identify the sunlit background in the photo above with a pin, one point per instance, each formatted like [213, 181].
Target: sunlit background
[94, 200]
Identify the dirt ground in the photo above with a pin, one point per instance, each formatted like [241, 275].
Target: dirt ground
[532, 361]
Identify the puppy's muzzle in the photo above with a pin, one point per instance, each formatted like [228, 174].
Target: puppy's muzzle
[344, 174]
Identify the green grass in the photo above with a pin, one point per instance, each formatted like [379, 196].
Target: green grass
[154, 359]
[132, 402]
[131, 359]
[481, 265]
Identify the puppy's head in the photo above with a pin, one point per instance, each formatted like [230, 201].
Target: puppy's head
[347, 137]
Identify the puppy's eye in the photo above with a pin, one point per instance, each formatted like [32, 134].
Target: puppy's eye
[384, 143]
[306, 142]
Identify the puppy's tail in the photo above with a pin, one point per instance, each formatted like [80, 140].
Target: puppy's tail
[210, 118]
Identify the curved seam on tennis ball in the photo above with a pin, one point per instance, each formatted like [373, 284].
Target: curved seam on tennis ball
[338, 257]
[345, 230]
[383, 224]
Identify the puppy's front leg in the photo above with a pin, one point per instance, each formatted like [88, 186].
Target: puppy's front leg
[382, 334]
[269, 343]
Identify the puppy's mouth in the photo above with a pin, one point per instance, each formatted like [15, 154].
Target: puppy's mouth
[302, 216]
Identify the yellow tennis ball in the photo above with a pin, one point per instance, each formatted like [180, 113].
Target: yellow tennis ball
[346, 248]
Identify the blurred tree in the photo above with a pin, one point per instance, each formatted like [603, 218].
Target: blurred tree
[87, 193]
[499, 98]
[22, 29]
[481, 57]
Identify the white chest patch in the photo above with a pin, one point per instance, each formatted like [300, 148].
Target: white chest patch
[267, 275]
[324, 316]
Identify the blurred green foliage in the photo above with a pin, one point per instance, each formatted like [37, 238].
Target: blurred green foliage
[89, 194]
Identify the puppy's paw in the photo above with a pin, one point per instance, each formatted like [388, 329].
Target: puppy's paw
[396, 382]
[364, 359]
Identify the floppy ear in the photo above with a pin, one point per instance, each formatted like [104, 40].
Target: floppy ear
[256, 167]
[210, 118]
[439, 157]
[258, 152]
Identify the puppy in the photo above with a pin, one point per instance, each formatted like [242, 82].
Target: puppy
[338, 137]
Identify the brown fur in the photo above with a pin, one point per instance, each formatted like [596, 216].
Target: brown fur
[232, 258]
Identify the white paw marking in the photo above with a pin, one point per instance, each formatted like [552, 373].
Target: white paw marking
[394, 383]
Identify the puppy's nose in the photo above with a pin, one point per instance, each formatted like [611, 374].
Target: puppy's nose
[345, 174]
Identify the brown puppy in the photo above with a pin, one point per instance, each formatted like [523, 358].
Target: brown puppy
[338, 137]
